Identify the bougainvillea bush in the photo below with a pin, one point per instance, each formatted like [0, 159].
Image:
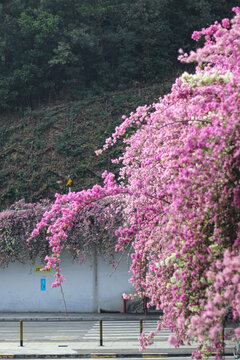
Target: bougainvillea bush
[180, 183]
[94, 229]
[94, 224]
[16, 224]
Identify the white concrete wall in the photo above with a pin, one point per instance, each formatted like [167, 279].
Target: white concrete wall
[89, 286]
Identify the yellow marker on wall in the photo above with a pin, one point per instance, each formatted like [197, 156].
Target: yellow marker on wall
[38, 269]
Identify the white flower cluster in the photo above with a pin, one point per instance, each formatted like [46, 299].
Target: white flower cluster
[206, 78]
[169, 259]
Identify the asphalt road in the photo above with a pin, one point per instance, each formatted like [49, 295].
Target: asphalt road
[78, 331]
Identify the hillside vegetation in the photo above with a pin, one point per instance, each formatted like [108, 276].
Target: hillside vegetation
[39, 149]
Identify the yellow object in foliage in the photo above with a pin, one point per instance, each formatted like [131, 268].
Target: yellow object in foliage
[69, 182]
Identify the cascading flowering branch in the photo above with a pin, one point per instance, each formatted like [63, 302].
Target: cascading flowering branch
[180, 178]
[64, 214]
[94, 225]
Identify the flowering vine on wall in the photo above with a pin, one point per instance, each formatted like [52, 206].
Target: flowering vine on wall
[93, 230]
[16, 224]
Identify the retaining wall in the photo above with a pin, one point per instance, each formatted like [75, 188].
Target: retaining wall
[89, 287]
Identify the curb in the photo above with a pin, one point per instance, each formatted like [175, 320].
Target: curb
[91, 356]
[96, 355]
[87, 318]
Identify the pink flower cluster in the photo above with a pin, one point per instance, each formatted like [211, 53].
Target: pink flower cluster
[180, 179]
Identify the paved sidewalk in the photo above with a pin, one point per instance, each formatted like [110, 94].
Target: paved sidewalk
[90, 350]
[73, 316]
[85, 349]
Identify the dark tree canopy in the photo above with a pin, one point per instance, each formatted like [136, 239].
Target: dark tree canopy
[52, 48]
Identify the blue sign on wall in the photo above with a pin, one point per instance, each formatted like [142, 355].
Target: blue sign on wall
[43, 284]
